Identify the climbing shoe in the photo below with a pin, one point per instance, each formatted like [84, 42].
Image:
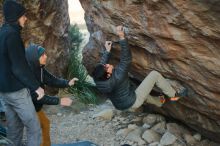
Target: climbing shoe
[162, 99]
[179, 94]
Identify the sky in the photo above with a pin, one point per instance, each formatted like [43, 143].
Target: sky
[76, 12]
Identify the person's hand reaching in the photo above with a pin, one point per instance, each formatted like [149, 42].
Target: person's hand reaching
[72, 81]
[40, 93]
[66, 101]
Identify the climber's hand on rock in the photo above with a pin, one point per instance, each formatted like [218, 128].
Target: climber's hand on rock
[108, 45]
[120, 32]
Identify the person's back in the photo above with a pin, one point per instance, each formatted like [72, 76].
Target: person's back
[17, 78]
[9, 82]
[118, 90]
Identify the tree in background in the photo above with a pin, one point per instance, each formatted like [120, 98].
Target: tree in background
[83, 89]
[75, 36]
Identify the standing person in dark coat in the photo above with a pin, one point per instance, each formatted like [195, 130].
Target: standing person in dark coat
[37, 59]
[16, 78]
[115, 81]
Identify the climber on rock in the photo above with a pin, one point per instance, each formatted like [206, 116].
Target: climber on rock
[114, 81]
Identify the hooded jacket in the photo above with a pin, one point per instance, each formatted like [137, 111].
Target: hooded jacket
[118, 87]
[15, 74]
[44, 77]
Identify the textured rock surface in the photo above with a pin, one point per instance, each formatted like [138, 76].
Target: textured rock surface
[178, 38]
[48, 23]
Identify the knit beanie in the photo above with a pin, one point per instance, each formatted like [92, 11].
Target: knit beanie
[40, 51]
[12, 10]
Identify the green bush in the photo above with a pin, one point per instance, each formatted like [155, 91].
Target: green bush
[83, 89]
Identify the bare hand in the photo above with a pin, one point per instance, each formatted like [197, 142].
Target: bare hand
[40, 93]
[108, 45]
[72, 81]
[66, 101]
[120, 32]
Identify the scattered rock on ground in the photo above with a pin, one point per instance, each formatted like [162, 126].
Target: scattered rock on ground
[106, 114]
[189, 139]
[160, 127]
[168, 139]
[135, 136]
[151, 136]
[117, 130]
[197, 137]
[151, 119]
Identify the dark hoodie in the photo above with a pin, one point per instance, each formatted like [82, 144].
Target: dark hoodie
[44, 77]
[118, 87]
[15, 73]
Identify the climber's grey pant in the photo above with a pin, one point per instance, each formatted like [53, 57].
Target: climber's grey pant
[144, 89]
[20, 113]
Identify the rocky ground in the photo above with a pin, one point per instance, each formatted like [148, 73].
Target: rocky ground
[106, 126]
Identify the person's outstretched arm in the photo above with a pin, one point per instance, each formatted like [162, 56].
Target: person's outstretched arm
[53, 81]
[51, 100]
[125, 58]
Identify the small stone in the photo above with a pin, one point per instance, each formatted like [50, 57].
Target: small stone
[154, 144]
[123, 132]
[130, 143]
[116, 124]
[59, 114]
[160, 127]
[146, 126]
[105, 114]
[121, 119]
[152, 119]
[135, 136]
[151, 136]
[189, 139]
[132, 126]
[114, 120]
[179, 143]
[197, 137]
[168, 139]
[177, 130]
[155, 1]
[137, 119]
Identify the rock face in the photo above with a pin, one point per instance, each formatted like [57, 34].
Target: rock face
[48, 23]
[178, 38]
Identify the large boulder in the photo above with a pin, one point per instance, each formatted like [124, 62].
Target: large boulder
[178, 38]
[48, 23]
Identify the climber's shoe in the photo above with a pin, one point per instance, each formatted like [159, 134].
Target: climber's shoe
[162, 99]
[178, 95]
[174, 98]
